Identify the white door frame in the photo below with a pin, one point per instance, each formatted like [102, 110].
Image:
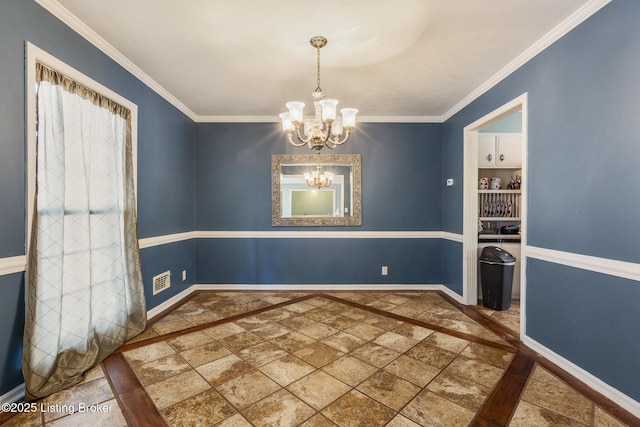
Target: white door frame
[470, 203]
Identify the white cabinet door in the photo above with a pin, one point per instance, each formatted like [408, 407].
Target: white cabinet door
[486, 149]
[509, 149]
[499, 150]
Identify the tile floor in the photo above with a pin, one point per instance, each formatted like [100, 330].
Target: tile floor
[331, 359]
[509, 318]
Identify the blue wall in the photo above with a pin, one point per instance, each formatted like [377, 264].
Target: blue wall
[583, 151]
[166, 150]
[318, 261]
[12, 317]
[401, 190]
[588, 318]
[401, 175]
[584, 97]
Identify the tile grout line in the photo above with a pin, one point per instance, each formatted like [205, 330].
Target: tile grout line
[138, 408]
[152, 409]
[597, 399]
[486, 321]
[512, 380]
[435, 328]
[132, 396]
[195, 328]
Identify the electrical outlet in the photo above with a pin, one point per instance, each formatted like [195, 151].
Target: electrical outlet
[385, 270]
[184, 275]
[449, 182]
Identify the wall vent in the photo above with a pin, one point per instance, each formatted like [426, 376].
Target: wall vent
[161, 282]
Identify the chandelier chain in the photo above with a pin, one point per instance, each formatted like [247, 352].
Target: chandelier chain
[318, 89]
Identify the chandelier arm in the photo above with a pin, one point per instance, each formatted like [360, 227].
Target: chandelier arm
[336, 140]
[307, 140]
[292, 142]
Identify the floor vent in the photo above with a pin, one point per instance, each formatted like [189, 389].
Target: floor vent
[161, 282]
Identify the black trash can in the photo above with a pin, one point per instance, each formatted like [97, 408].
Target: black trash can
[496, 277]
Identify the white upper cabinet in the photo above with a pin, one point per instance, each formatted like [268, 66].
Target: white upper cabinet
[496, 150]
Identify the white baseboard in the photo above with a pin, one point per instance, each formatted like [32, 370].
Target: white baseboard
[595, 383]
[327, 287]
[155, 311]
[13, 395]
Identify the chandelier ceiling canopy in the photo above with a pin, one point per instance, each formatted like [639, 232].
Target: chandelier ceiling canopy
[324, 129]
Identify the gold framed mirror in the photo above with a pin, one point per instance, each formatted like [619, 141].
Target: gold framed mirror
[316, 190]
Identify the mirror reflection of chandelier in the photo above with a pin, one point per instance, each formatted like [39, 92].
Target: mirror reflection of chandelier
[324, 130]
[318, 179]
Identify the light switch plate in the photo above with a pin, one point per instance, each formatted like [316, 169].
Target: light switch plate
[449, 182]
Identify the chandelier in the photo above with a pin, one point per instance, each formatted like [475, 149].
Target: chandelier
[318, 179]
[324, 130]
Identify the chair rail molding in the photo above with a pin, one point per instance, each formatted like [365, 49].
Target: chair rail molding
[11, 265]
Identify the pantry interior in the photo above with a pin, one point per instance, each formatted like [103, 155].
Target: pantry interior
[500, 190]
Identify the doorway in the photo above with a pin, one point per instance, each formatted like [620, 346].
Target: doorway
[471, 209]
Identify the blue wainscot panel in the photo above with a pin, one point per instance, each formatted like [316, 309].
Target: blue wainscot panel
[174, 257]
[588, 318]
[318, 261]
[12, 321]
[452, 265]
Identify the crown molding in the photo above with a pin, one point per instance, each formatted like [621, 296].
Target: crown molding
[400, 119]
[64, 15]
[83, 30]
[237, 119]
[361, 119]
[547, 40]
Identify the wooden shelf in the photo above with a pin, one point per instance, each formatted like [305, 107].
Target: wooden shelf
[482, 236]
[499, 218]
[513, 167]
[499, 191]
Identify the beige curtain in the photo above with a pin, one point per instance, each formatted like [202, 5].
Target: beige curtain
[85, 296]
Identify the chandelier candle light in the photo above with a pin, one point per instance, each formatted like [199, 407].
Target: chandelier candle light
[324, 130]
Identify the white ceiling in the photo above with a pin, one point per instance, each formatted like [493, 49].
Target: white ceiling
[391, 59]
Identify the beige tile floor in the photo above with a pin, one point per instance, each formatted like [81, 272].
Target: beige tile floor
[62, 408]
[509, 318]
[323, 362]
